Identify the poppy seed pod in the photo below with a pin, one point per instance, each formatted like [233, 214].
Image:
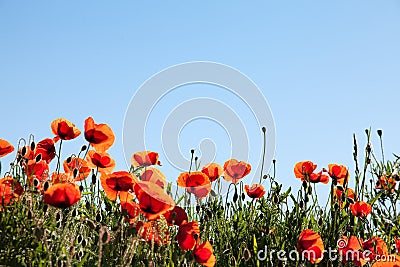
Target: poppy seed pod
[33, 145]
[192, 151]
[264, 129]
[379, 132]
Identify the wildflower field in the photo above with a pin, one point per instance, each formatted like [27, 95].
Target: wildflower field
[78, 210]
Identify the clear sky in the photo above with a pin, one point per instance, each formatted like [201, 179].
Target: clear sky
[327, 68]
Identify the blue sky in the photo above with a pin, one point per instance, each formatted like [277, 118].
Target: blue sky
[327, 68]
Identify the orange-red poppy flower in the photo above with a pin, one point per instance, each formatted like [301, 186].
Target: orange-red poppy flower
[338, 195]
[213, 171]
[10, 190]
[196, 183]
[145, 159]
[304, 169]
[339, 173]
[255, 191]
[376, 246]
[62, 195]
[397, 243]
[204, 255]
[153, 201]
[115, 182]
[311, 246]
[319, 178]
[100, 136]
[235, 170]
[101, 160]
[360, 209]
[132, 210]
[64, 129]
[77, 163]
[152, 232]
[188, 234]
[5, 148]
[46, 149]
[155, 176]
[350, 250]
[176, 216]
[386, 183]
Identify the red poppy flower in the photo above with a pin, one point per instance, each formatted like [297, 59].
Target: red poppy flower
[304, 169]
[115, 182]
[255, 191]
[339, 173]
[145, 159]
[38, 170]
[64, 129]
[77, 163]
[152, 232]
[62, 195]
[235, 170]
[188, 234]
[213, 171]
[204, 255]
[386, 183]
[350, 250]
[176, 216]
[153, 201]
[5, 148]
[338, 195]
[397, 242]
[360, 209]
[311, 244]
[196, 183]
[319, 178]
[155, 176]
[101, 160]
[10, 190]
[47, 150]
[100, 136]
[132, 210]
[376, 246]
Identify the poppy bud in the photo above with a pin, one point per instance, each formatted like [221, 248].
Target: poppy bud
[396, 177]
[195, 236]
[74, 213]
[276, 199]
[343, 198]
[87, 205]
[75, 172]
[274, 161]
[209, 213]
[198, 208]
[246, 254]
[69, 159]
[301, 204]
[320, 221]
[306, 199]
[304, 184]
[350, 200]
[368, 148]
[80, 254]
[38, 157]
[29, 214]
[378, 211]
[83, 148]
[340, 187]
[35, 182]
[33, 145]
[45, 207]
[235, 196]
[336, 206]
[23, 151]
[192, 151]
[81, 188]
[58, 217]
[379, 132]
[264, 129]
[366, 131]
[261, 216]
[79, 239]
[84, 243]
[46, 186]
[98, 217]
[243, 196]
[93, 178]
[196, 158]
